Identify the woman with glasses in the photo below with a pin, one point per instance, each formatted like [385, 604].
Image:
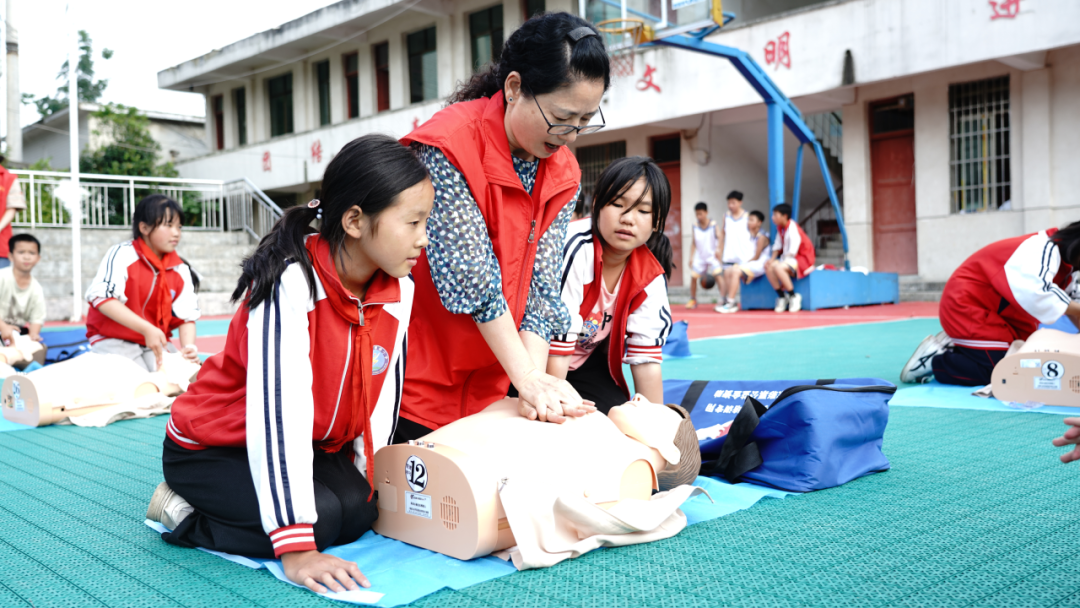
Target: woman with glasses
[488, 286]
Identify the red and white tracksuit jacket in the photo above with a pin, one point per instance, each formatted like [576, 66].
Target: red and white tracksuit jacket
[795, 245]
[281, 389]
[1004, 290]
[642, 316]
[126, 276]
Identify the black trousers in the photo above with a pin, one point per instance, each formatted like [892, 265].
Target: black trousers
[218, 484]
[966, 366]
[407, 430]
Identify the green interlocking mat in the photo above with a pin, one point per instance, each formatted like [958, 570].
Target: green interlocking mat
[976, 511]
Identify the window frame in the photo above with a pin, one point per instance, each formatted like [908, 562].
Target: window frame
[410, 56]
[382, 75]
[496, 33]
[288, 108]
[980, 159]
[240, 107]
[217, 106]
[352, 84]
[322, 91]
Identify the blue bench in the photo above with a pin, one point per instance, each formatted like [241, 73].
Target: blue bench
[828, 289]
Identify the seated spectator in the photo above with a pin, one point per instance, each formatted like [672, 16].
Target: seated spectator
[997, 296]
[750, 269]
[22, 301]
[792, 258]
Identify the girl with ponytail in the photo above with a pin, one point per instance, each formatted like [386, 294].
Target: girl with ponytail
[270, 452]
[614, 282]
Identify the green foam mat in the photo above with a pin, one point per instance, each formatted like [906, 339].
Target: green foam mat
[976, 511]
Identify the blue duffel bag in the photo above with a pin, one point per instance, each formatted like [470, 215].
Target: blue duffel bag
[799, 435]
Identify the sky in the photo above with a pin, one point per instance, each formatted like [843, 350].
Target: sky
[146, 36]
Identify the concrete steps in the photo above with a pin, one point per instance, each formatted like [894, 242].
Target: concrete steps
[216, 256]
[914, 289]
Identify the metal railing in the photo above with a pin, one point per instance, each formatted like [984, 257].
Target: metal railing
[249, 209]
[109, 201]
[820, 223]
[830, 131]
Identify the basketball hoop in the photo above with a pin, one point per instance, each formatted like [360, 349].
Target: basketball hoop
[623, 37]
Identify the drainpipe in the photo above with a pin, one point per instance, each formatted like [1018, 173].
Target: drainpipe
[14, 97]
[76, 193]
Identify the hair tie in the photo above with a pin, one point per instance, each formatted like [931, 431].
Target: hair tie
[581, 32]
[314, 204]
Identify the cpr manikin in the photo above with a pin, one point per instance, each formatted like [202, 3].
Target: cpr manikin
[547, 492]
[1045, 369]
[95, 389]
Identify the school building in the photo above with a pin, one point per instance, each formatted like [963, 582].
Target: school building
[947, 125]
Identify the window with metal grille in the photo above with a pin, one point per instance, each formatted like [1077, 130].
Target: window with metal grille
[979, 151]
[423, 66]
[281, 106]
[593, 160]
[322, 75]
[218, 102]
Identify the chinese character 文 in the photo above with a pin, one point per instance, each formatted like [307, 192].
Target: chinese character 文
[646, 81]
[1005, 9]
[266, 160]
[316, 151]
[778, 52]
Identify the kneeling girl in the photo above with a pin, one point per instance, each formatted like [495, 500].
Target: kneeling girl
[269, 447]
[614, 283]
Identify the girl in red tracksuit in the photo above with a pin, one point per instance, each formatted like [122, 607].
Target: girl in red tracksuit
[998, 295]
[614, 282]
[144, 290]
[270, 452]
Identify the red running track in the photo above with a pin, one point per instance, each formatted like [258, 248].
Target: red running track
[706, 323]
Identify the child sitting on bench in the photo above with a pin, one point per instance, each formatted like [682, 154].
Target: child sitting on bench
[22, 301]
[998, 295]
[615, 268]
[792, 256]
[266, 454]
[144, 290]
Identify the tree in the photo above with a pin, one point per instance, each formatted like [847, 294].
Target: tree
[90, 90]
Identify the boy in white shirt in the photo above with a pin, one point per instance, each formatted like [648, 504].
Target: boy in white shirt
[737, 249]
[22, 301]
[704, 253]
[750, 269]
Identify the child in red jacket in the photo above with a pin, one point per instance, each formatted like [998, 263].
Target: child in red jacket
[614, 282]
[144, 290]
[270, 451]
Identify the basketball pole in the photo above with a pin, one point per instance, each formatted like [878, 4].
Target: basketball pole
[73, 148]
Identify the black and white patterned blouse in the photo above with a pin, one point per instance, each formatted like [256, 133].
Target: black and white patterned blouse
[464, 268]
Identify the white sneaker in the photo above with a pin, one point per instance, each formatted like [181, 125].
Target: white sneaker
[918, 369]
[730, 307]
[168, 507]
[795, 305]
[781, 304]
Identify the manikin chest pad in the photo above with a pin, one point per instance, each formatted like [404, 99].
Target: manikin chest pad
[496, 480]
[1045, 369]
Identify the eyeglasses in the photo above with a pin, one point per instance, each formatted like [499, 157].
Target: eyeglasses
[564, 129]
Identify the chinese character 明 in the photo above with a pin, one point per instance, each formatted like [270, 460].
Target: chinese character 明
[1005, 9]
[778, 51]
[266, 160]
[316, 151]
[646, 81]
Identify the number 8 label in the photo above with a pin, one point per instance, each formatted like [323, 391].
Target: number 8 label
[1052, 370]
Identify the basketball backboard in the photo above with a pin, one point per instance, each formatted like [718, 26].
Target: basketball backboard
[662, 18]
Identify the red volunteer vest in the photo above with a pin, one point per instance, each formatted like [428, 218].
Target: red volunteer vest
[641, 269]
[805, 256]
[7, 179]
[451, 372]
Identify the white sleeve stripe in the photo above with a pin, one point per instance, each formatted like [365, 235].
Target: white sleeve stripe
[298, 530]
[293, 541]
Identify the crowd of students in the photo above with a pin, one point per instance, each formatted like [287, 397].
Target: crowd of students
[440, 273]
